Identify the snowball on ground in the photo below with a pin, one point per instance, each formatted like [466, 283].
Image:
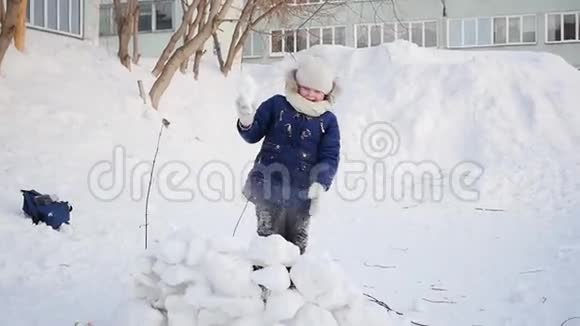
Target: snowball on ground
[173, 251]
[227, 245]
[283, 306]
[196, 250]
[212, 318]
[271, 250]
[179, 312]
[230, 275]
[177, 274]
[314, 276]
[159, 266]
[275, 277]
[195, 293]
[310, 315]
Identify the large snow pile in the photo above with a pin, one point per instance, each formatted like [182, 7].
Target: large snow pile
[203, 282]
[512, 114]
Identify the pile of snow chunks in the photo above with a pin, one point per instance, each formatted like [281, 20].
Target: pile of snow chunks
[213, 282]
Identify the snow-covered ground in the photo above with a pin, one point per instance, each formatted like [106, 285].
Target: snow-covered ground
[498, 244]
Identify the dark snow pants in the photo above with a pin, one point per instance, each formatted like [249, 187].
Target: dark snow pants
[290, 223]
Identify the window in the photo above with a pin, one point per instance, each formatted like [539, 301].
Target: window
[484, 31]
[570, 27]
[389, 32]
[529, 29]
[490, 31]
[145, 17]
[563, 27]
[327, 37]
[289, 41]
[417, 33]
[340, 35]
[163, 16]
[302, 40]
[430, 34]
[277, 42]
[362, 36]
[61, 16]
[554, 28]
[314, 35]
[376, 35]
[469, 32]
[292, 41]
[153, 16]
[499, 30]
[420, 33]
[454, 35]
[515, 29]
[403, 31]
[254, 46]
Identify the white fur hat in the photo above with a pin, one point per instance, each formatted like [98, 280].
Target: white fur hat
[313, 73]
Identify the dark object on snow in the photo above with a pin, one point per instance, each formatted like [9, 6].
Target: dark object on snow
[41, 208]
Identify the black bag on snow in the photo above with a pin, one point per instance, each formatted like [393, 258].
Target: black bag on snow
[41, 208]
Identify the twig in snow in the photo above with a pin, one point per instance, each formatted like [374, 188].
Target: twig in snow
[389, 309]
[164, 124]
[567, 320]
[490, 209]
[416, 323]
[532, 271]
[438, 289]
[440, 301]
[379, 266]
[381, 303]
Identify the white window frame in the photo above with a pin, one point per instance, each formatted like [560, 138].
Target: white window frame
[577, 40]
[492, 44]
[397, 25]
[31, 23]
[109, 7]
[295, 31]
[252, 54]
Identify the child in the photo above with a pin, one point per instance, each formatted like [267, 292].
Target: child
[300, 152]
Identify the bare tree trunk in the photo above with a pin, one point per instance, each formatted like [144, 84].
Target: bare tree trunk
[180, 32]
[234, 49]
[20, 32]
[243, 27]
[8, 27]
[124, 19]
[2, 12]
[193, 27]
[136, 54]
[215, 16]
[218, 50]
[196, 62]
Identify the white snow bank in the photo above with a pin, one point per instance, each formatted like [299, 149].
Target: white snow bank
[224, 288]
[512, 115]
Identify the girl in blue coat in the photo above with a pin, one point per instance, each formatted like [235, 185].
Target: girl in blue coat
[299, 152]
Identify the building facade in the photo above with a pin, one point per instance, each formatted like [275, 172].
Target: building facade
[74, 18]
[529, 25]
[158, 20]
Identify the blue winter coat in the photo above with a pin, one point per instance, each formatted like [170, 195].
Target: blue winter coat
[297, 151]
